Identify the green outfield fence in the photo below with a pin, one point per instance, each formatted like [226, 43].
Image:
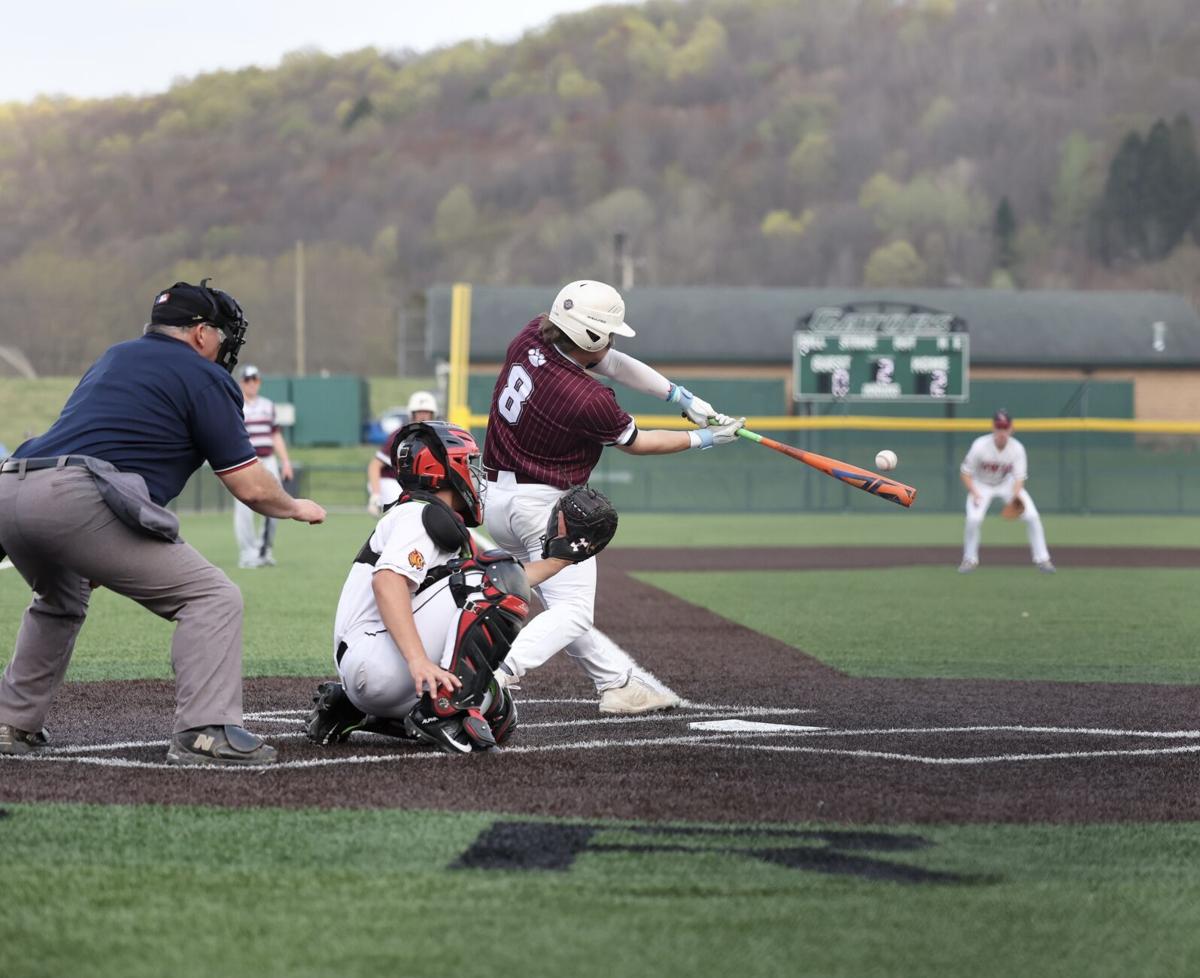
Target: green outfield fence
[1076, 465]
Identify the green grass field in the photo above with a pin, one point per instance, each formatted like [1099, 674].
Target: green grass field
[203, 892]
[131, 891]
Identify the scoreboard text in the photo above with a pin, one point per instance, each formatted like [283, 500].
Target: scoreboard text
[874, 366]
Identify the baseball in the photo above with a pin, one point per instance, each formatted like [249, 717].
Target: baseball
[886, 460]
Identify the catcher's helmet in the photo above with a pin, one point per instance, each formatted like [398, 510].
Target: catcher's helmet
[590, 313]
[189, 305]
[432, 455]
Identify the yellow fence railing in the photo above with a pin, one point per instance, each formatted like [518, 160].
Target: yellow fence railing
[459, 410]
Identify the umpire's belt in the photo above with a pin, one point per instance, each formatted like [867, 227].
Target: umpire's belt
[23, 465]
[493, 475]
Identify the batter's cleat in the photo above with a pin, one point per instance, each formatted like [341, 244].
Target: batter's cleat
[219, 744]
[967, 566]
[1046, 567]
[635, 697]
[334, 718]
[14, 740]
[506, 678]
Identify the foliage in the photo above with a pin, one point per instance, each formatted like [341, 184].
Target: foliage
[1152, 194]
[884, 120]
[895, 264]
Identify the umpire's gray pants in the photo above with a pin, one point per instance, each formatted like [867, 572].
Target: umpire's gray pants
[60, 535]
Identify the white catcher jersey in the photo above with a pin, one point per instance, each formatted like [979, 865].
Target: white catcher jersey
[992, 466]
[404, 547]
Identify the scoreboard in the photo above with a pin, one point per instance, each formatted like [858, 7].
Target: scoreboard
[897, 365]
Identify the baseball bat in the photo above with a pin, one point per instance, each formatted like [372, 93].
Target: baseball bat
[852, 475]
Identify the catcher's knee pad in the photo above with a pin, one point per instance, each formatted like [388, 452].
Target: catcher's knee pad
[493, 592]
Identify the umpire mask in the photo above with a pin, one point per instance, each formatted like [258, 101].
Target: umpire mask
[184, 304]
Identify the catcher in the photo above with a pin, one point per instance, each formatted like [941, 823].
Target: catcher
[425, 617]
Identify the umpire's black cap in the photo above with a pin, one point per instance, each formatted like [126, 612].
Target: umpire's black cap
[183, 305]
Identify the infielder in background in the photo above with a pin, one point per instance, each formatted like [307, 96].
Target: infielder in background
[425, 617]
[382, 487]
[254, 547]
[996, 465]
[549, 422]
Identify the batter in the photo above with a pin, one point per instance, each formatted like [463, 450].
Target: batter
[549, 422]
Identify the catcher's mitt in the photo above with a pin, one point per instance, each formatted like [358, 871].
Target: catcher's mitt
[581, 524]
[1012, 509]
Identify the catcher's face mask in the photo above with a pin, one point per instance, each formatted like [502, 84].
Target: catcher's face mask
[431, 455]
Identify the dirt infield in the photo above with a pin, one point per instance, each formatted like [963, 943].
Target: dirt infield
[812, 745]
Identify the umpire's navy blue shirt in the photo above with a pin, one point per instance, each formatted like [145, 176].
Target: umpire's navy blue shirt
[156, 407]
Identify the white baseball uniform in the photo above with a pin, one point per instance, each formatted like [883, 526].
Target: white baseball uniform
[995, 472]
[261, 425]
[369, 663]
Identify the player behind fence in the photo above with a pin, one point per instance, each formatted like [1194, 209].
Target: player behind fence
[382, 487]
[255, 547]
[424, 617]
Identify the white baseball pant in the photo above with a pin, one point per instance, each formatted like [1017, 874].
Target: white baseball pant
[373, 671]
[516, 516]
[252, 544]
[977, 511]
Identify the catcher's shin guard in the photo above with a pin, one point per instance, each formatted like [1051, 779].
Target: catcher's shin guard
[493, 593]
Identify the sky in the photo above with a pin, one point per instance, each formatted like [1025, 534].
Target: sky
[99, 48]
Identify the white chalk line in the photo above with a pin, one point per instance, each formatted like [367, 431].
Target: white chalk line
[720, 740]
[72, 749]
[684, 705]
[985, 759]
[717, 741]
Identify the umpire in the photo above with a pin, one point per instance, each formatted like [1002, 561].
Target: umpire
[83, 505]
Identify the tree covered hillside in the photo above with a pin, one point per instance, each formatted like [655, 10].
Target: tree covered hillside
[1026, 143]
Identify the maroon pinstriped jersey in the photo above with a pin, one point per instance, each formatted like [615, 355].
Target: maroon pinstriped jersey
[550, 419]
[385, 452]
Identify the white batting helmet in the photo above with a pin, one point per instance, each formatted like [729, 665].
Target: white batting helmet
[422, 401]
[590, 313]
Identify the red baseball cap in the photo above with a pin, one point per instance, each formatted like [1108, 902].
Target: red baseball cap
[1001, 420]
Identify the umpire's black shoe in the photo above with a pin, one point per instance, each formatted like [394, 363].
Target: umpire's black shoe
[14, 740]
[219, 744]
[334, 717]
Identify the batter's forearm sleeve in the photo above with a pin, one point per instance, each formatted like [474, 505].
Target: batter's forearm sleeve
[632, 373]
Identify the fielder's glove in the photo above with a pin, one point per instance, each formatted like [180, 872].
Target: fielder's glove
[581, 524]
[1012, 509]
[696, 409]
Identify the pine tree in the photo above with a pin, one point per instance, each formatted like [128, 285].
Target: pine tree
[1158, 209]
[1185, 170]
[1004, 229]
[1121, 232]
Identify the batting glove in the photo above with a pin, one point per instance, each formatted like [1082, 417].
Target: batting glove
[695, 409]
[717, 434]
[374, 505]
